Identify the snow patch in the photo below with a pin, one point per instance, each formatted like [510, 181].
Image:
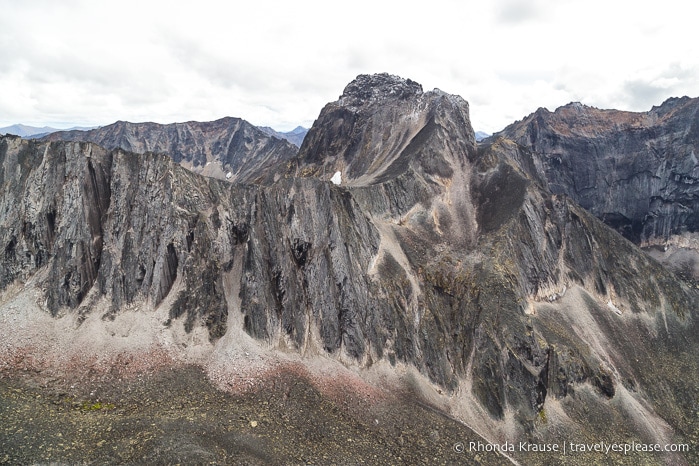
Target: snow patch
[337, 178]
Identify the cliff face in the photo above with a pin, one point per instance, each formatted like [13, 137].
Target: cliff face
[429, 253]
[351, 135]
[637, 172]
[229, 148]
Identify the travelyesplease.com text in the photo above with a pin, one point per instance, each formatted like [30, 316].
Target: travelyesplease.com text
[570, 447]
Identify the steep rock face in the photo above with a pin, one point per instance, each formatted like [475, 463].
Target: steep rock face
[416, 166]
[93, 222]
[229, 148]
[430, 253]
[637, 172]
[351, 135]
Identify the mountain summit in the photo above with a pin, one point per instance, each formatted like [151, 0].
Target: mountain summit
[372, 89]
[351, 135]
[229, 148]
[429, 268]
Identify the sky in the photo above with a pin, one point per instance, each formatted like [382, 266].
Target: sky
[277, 63]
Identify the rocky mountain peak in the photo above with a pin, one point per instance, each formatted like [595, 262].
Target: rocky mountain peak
[366, 89]
[384, 126]
[674, 101]
[470, 269]
[230, 148]
[575, 106]
[634, 170]
[673, 105]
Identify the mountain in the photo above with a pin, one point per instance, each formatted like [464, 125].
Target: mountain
[430, 270]
[24, 130]
[480, 135]
[34, 132]
[229, 148]
[295, 136]
[351, 135]
[637, 172]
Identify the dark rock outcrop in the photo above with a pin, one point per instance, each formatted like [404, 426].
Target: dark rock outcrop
[229, 148]
[638, 172]
[430, 253]
[351, 135]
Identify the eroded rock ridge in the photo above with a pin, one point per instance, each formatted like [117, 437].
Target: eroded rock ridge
[638, 172]
[229, 148]
[431, 253]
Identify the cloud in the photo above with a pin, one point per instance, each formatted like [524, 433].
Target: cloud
[652, 87]
[644, 94]
[519, 11]
[278, 63]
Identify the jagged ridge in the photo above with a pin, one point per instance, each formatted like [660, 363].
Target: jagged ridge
[455, 261]
[229, 148]
[638, 172]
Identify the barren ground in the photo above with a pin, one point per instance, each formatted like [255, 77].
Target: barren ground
[135, 391]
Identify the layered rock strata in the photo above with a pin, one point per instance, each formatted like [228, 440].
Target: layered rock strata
[430, 253]
[638, 172]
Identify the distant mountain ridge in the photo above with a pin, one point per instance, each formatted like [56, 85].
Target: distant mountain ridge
[480, 135]
[34, 131]
[295, 136]
[229, 148]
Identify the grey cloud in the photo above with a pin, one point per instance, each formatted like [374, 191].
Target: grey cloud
[358, 58]
[518, 11]
[526, 76]
[642, 94]
[39, 66]
[227, 72]
[265, 79]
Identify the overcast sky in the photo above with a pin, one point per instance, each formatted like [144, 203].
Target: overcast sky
[276, 63]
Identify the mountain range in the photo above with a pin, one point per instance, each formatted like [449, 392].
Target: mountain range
[229, 148]
[502, 283]
[295, 136]
[33, 131]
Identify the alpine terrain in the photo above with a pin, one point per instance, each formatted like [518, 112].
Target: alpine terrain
[392, 292]
[229, 148]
